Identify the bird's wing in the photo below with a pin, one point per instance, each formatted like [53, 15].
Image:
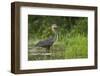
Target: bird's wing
[44, 43]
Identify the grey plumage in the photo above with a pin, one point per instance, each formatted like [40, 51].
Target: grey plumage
[45, 43]
[48, 42]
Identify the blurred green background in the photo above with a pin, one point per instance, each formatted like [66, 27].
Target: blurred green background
[72, 40]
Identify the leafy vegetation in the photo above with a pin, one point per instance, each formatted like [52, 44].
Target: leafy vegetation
[72, 37]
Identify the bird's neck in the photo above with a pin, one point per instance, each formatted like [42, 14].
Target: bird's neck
[55, 36]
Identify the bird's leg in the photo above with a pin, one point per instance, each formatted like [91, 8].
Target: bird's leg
[47, 49]
[48, 52]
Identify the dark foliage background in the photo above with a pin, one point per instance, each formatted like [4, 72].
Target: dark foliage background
[40, 26]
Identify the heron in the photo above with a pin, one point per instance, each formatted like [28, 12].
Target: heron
[47, 43]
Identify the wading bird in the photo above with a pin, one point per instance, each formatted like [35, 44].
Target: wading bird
[49, 42]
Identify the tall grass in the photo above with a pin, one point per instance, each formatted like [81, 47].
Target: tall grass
[76, 47]
[66, 47]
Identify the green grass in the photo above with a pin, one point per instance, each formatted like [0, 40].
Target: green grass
[76, 47]
[67, 47]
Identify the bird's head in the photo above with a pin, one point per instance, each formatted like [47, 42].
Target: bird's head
[54, 28]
